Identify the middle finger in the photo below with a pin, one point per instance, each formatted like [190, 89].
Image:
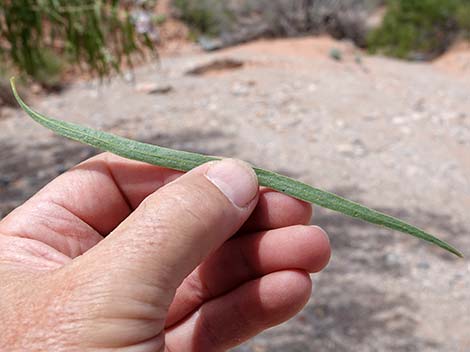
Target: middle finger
[248, 257]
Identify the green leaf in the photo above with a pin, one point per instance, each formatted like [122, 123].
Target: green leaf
[185, 161]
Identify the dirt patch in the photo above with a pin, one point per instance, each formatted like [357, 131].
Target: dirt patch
[456, 60]
[303, 48]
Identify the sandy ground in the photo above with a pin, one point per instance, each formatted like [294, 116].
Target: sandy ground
[390, 134]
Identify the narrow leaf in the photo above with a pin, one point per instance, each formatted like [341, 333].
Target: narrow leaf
[185, 161]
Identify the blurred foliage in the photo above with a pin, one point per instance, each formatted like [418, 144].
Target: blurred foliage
[199, 15]
[463, 18]
[237, 21]
[49, 73]
[412, 29]
[39, 37]
[420, 29]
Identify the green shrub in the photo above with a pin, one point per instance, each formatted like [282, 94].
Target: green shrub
[420, 28]
[49, 73]
[463, 18]
[38, 36]
[199, 15]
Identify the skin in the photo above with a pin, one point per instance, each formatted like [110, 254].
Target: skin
[124, 256]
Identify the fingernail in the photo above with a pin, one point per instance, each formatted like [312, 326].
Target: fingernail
[323, 232]
[235, 179]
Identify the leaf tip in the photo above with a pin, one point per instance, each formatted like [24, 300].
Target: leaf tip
[455, 251]
[20, 101]
[12, 82]
[13, 87]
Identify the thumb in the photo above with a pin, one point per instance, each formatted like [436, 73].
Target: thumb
[174, 229]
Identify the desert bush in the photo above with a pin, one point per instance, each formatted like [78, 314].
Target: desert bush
[39, 36]
[200, 15]
[420, 28]
[463, 18]
[236, 21]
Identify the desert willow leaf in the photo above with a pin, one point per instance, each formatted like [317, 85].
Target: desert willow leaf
[185, 161]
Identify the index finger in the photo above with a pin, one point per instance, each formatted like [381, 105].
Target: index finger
[75, 210]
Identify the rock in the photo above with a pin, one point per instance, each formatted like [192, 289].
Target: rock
[340, 123]
[423, 265]
[153, 88]
[312, 87]
[240, 89]
[391, 260]
[405, 130]
[356, 149]
[399, 120]
[336, 54]
[210, 44]
[129, 77]
[346, 149]
[216, 65]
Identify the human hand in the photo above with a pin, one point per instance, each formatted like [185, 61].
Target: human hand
[121, 255]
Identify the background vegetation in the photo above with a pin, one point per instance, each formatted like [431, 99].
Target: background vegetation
[40, 37]
[420, 28]
[411, 29]
[201, 16]
[237, 21]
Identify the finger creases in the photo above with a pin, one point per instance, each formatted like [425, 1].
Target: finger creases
[242, 313]
[249, 257]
